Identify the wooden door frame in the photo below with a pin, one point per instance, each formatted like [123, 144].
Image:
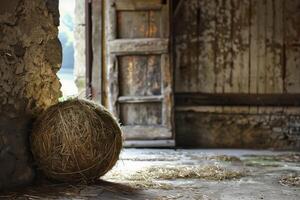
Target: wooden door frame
[94, 58]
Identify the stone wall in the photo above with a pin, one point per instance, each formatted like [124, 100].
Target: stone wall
[219, 130]
[79, 45]
[30, 56]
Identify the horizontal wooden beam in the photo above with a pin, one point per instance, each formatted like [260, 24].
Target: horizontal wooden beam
[140, 99]
[146, 132]
[129, 5]
[202, 99]
[139, 46]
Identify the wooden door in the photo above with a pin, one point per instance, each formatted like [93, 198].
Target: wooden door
[139, 72]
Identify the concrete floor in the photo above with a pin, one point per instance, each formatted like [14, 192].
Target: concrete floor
[262, 175]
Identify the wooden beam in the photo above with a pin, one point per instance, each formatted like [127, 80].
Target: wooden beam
[139, 46]
[139, 132]
[139, 99]
[129, 5]
[201, 99]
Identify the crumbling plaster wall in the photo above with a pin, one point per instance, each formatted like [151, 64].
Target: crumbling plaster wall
[30, 56]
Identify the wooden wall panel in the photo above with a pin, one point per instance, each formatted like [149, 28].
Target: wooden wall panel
[238, 46]
[274, 46]
[139, 24]
[139, 75]
[141, 114]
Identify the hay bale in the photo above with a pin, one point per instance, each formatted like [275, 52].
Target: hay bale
[76, 140]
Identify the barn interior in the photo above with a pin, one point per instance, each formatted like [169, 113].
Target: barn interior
[207, 93]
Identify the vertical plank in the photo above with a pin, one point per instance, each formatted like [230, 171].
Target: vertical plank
[113, 85]
[254, 46]
[257, 49]
[97, 50]
[186, 48]
[240, 45]
[205, 45]
[112, 68]
[240, 49]
[278, 46]
[165, 21]
[267, 85]
[168, 102]
[292, 25]
[261, 46]
[105, 54]
[291, 68]
[154, 24]
[274, 46]
[227, 46]
[223, 50]
[219, 49]
[270, 26]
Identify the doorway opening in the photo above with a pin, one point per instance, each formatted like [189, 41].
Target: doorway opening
[67, 73]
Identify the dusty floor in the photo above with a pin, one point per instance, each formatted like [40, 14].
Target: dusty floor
[185, 174]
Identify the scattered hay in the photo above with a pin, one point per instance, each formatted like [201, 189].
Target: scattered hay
[76, 140]
[136, 183]
[150, 185]
[291, 180]
[192, 172]
[151, 177]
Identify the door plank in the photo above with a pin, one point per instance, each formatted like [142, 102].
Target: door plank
[133, 24]
[113, 85]
[167, 92]
[140, 75]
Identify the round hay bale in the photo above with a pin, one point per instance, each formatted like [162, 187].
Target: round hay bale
[76, 140]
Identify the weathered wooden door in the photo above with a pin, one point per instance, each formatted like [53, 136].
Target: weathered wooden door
[139, 72]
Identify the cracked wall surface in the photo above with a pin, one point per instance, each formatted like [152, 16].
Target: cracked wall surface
[30, 56]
